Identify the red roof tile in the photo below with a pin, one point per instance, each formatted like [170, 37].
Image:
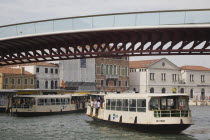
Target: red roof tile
[7, 70]
[142, 63]
[195, 68]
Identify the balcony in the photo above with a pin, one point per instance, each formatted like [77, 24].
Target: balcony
[112, 76]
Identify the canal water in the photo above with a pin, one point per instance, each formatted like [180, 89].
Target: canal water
[78, 126]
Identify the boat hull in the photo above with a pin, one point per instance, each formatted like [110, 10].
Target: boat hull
[32, 114]
[159, 128]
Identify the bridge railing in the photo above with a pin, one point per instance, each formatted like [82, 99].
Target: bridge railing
[107, 21]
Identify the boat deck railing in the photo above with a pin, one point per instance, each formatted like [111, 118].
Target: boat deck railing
[172, 113]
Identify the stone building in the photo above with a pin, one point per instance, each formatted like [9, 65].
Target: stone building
[47, 74]
[16, 78]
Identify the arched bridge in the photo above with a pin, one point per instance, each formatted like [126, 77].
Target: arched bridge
[184, 32]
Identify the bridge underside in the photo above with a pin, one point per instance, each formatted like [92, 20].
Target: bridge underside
[109, 43]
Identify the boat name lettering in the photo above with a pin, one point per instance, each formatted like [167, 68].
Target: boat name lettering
[160, 120]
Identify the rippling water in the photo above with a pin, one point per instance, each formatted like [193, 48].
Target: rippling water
[79, 126]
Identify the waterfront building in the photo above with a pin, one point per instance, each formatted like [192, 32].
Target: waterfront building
[196, 80]
[47, 74]
[102, 74]
[16, 78]
[154, 76]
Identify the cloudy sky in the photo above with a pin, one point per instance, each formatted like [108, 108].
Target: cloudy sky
[17, 11]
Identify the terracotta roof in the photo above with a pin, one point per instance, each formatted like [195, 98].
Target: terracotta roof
[7, 70]
[195, 68]
[142, 63]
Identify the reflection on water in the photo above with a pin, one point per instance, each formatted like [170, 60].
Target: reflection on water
[79, 126]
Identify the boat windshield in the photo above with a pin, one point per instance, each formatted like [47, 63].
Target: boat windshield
[169, 103]
[23, 102]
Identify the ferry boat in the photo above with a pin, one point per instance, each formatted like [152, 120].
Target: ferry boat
[167, 113]
[37, 105]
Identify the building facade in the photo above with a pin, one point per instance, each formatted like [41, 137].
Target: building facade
[102, 74]
[47, 74]
[16, 78]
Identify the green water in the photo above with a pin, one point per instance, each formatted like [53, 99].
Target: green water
[78, 126]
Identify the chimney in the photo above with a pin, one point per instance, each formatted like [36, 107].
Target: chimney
[22, 70]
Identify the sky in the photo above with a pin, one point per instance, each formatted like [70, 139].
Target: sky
[18, 11]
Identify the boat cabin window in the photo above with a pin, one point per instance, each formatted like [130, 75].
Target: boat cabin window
[53, 101]
[133, 105]
[169, 103]
[141, 105]
[23, 102]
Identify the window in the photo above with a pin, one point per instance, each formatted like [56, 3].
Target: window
[174, 77]
[191, 93]
[107, 82]
[119, 71]
[13, 81]
[56, 84]
[52, 84]
[119, 82]
[32, 81]
[102, 82]
[115, 83]
[114, 69]
[26, 81]
[132, 105]
[182, 90]
[111, 70]
[163, 76]
[141, 105]
[119, 105]
[102, 68]
[56, 71]
[37, 70]
[37, 84]
[152, 76]
[126, 71]
[126, 83]
[46, 84]
[163, 90]
[113, 102]
[51, 70]
[202, 78]
[125, 105]
[19, 81]
[191, 78]
[107, 69]
[108, 104]
[46, 70]
[152, 90]
[6, 81]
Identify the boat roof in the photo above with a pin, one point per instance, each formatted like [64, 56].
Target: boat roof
[53, 96]
[143, 95]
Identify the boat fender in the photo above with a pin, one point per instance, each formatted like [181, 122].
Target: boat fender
[181, 121]
[120, 119]
[135, 120]
[109, 117]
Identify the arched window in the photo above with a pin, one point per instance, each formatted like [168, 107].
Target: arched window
[46, 84]
[163, 90]
[110, 70]
[37, 84]
[191, 93]
[202, 94]
[182, 90]
[119, 70]
[52, 84]
[114, 69]
[102, 68]
[152, 90]
[107, 69]
[56, 84]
